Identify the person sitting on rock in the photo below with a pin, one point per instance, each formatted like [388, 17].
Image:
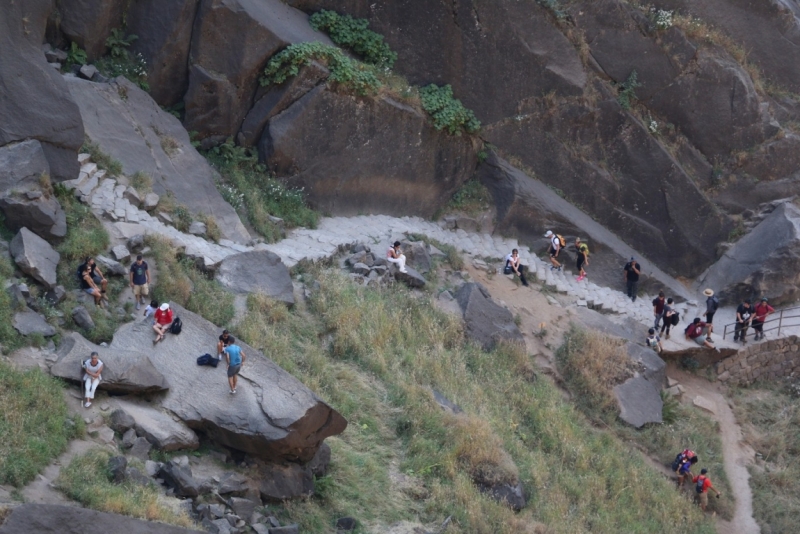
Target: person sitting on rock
[696, 329]
[89, 286]
[163, 318]
[513, 266]
[91, 378]
[223, 341]
[97, 275]
[393, 255]
[151, 309]
[235, 358]
[653, 341]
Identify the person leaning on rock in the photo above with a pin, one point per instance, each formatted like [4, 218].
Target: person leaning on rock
[96, 274]
[91, 378]
[89, 286]
[235, 358]
[140, 280]
[393, 255]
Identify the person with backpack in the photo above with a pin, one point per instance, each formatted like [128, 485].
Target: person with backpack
[631, 273]
[140, 280]
[702, 483]
[235, 358]
[671, 317]
[91, 377]
[583, 260]
[683, 465]
[653, 341]
[744, 314]
[658, 308]
[696, 330]
[712, 305]
[761, 311]
[513, 266]
[557, 242]
[163, 322]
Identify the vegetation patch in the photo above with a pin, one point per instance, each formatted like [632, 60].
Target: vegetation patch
[447, 112]
[103, 160]
[472, 199]
[86, 237]
[121, 62]
[355, 35]
[87, 480]
[10, 339]
[35, 425]
[627, 90]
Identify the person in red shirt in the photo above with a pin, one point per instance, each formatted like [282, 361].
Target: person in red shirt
[163, 320]
[694, 332]
[762, 310]
[702, 485]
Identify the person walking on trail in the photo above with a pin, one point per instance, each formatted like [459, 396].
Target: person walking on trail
[658, 308]
[393, 255]
[223, 340]
[744, 315]
[583, 260]
[631, 273]
[140, 280]
[702, 484]
[513, 266]
[669, 317]
[696, 330]
[96, 274]
[760, 313]
[235, 358]
[653, 341]
[89, 286]
[556, 244]
[683, 465]
[712, 305]
[91, 377]
[163, 317]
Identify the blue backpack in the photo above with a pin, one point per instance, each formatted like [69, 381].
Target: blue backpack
[700, 483]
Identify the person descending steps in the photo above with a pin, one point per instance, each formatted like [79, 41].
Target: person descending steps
[557, 242]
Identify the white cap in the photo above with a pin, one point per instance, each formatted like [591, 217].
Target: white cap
[549, 233]
[164, 307]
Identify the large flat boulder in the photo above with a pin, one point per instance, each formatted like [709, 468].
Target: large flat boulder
[130, 127]
[762, 263]
[124, 371]
[405, 166]
[29, 322]
[37, 211]
[35, 257]
[56, 519]
[159, 428]
[487, 323]
[272, 415]
[257, 271]
[21, 165]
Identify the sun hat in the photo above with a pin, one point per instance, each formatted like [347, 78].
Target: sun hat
[164, 307]
[708, 292]
[549, 233]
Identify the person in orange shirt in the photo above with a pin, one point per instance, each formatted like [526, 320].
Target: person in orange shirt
[702, 485]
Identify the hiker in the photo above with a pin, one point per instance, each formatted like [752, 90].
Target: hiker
[653, 341]
[223, 340]
[235, 358]
[712, 305]
[96, 274]
[670, 317]
[513, 266]
[163, 321]
[89, 286]
[744, 314]
[140, 280]
[682, 465]
[631, 273]
[658, 308]
[91, 378]
[556, 243]
[583, 259]
[702, 485]
[761, 311]
[151, 309]
[696, 330]
[393, 255]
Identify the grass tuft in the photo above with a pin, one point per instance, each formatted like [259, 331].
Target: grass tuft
[103, 160]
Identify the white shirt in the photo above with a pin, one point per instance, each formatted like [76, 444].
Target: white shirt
[93, 368]
[511, 261]
[556, 242]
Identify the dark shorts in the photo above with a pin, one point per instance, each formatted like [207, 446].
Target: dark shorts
[233, 370]
[97, 279]
[553, 252]
[710, 318]
[758, 326]
[580, 264]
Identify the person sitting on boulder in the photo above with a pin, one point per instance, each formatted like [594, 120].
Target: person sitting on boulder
[653, 341]
[96, 274]
[151, 309]
[89, 286]
[223, 341]
[513, 266]
[163, 318]
[235, 358]
[696, 329]
[91, 378]
[393, 255]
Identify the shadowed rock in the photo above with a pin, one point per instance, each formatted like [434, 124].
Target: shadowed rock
[35, 257]
[487, 323]
[159, 428]
[21, 165]
[29, 322]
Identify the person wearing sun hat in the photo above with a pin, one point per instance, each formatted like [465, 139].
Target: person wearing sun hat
[712, 305]
[163, 317]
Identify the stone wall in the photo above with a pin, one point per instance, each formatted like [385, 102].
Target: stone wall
[764, 361]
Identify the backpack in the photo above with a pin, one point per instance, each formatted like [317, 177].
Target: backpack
[562, 242]
[714, 304]
[675, 318]
[700, 483]
[207, 359]
[176, 327]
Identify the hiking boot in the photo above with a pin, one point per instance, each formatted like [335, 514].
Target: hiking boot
[666, 337]
[138, 306]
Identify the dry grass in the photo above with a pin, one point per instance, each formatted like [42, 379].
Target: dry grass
[142, 182]
[169, 145]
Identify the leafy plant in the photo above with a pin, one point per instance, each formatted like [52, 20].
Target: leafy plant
[76, 55]
[473, 198]
[345, 71]
[627, 90]
[118, 44]
[662, 18]
[120, 61]
[447, 112]
[355, 35]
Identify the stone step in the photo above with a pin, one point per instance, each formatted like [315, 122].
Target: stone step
[84, 158]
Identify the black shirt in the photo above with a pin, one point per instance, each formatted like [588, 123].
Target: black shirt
[139, 273]
[659, 304]
[744, 313]
[632, 275]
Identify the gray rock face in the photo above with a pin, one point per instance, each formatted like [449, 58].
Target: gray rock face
[411, 278]
[406, 167]
[89, 23]
[82, 318]
[283, 482]
[21, 165]
[109, 266]
[639, 397]
[29, 322]
[120, 421]
[762, 263]
[124, 371]
[143, 137]
[511, 495]
[180, 478]
[56, 519]
[160, 429]
[141, 449]
[272, 415]
[42, 215]
[35, 257]
[486, 322]
[121, 253]
[117, 466]
[417, 256]
[257, 271]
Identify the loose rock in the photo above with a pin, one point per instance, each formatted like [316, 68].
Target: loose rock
[35, 257]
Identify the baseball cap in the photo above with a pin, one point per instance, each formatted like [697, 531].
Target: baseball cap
[164, 307]
[549, 233]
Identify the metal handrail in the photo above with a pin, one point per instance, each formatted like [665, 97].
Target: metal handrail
[782, 317]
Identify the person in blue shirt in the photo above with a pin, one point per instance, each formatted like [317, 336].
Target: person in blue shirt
[235, 358]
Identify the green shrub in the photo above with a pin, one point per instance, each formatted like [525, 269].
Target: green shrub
[120, 61]
[103, 160]
[473, 198]
[355, 35]
[345, 71]
[627, 91]
[447, 112]
[86, 236]
[35, 425]
[75, 55]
